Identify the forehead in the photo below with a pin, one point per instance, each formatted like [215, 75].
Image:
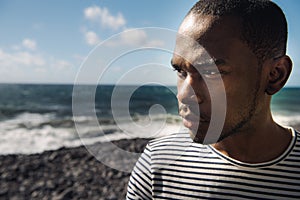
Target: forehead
[210, 27]
[202, 34]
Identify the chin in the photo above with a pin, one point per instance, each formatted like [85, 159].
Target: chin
[200, 136]
[197, 137]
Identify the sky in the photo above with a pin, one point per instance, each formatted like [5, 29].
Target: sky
[51, 41]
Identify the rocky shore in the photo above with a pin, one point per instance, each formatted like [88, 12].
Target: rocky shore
[67, 173]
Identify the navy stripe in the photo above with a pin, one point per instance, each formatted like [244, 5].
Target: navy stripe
[145, 181]
[227, 169]
[224, 188]
[186, 161]
[198, 197]
[172, 143]
[141, 191]
[141, 163]
[129, 193]
[292, 160]
[238, 183]
[295, 166]
[225, 175]
[186, 152]
[198, 190]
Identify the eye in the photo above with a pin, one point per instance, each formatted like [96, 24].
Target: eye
[180, 72]
[213, 73]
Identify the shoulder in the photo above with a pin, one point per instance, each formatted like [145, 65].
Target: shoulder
[173, 146]
[172, 140]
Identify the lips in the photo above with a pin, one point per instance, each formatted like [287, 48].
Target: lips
[190, 119]
[190, 124]
[193, 123]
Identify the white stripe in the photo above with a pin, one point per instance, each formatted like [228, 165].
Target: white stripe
[213, 171]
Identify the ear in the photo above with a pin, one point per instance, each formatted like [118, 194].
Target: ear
[279, 73]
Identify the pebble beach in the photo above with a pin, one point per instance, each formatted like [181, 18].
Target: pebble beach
[66, 173]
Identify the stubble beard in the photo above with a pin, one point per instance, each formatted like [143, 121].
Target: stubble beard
[199, 137]
[239, 125]
[246, 119]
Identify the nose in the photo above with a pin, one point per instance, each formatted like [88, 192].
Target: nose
[189, 91]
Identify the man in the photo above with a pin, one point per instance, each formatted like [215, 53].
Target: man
[254, 157]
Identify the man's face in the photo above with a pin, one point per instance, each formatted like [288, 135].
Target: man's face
[237, 66]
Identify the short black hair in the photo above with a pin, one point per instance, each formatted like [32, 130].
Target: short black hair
[263, 23]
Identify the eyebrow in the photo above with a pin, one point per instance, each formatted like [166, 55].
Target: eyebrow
[210, 62]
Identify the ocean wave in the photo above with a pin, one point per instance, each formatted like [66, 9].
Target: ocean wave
[288, 119]
[30, 133]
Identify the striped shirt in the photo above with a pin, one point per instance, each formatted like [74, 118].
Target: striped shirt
[174, 167]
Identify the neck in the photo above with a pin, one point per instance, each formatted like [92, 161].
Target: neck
[260, 143]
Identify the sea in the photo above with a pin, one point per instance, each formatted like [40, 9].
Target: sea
[40, 117]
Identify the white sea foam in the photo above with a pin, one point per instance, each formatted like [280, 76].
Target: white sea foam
[288, 120]
[32, 133]
[25, 119]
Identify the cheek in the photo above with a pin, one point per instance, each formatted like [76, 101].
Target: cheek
[240, 102]
[179, 83]
[240, 94]
[241, 85]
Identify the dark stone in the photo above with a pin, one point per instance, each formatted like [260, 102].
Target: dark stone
[64, 174]
[67, 194]
[3, 191]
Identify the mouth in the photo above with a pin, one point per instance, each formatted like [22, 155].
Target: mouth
[193, 123]
[190, 124]
[190, 119]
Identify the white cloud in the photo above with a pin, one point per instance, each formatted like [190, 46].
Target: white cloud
[91, 38]
[92, 13]
[61, 65]
[20, 58]
[29, 44]
[135, 37]
[104, 17]
[27, 66]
